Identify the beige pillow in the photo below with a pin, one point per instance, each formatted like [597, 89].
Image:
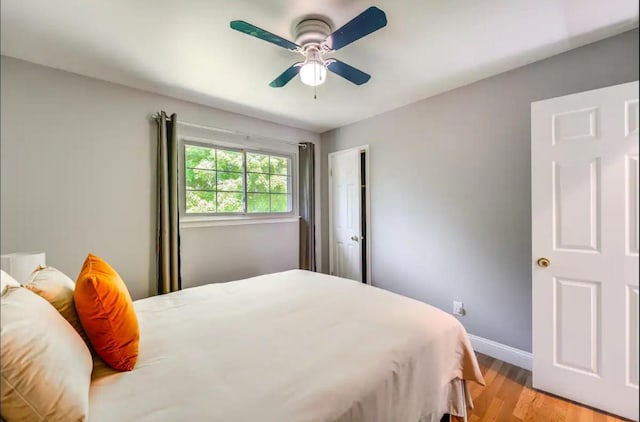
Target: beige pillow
[7, 281]
[46, 367]
[57, 289]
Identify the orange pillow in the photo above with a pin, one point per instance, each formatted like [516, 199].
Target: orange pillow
[106, 312]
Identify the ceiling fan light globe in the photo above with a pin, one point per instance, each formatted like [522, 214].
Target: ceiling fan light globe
[313, 74]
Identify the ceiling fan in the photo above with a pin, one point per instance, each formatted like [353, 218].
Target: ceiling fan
[314, 39]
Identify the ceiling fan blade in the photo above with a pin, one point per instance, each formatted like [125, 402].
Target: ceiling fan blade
[254, 31]
[286, 76]
[350, 73]
[365, 23]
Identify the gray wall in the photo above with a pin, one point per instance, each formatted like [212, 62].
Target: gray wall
[78, 175]
[450, 187]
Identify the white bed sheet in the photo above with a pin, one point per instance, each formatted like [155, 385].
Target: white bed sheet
[295, 346]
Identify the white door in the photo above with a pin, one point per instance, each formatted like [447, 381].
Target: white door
[584, 162]
[345, 214]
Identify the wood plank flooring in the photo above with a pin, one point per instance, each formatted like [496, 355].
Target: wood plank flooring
[508, 396]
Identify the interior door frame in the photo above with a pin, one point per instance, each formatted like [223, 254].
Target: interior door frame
[367, 210]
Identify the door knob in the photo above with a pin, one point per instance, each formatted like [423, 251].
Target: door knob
[355, 238]
[543, 262]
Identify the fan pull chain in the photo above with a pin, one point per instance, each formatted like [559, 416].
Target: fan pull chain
[315, 86]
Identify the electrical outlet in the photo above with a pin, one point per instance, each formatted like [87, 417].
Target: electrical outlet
[458, 308]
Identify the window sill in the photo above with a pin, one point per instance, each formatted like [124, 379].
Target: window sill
[195, 222]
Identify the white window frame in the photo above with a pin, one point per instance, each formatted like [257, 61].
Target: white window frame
[215, 219]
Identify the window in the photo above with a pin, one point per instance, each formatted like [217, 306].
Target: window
[220, 180]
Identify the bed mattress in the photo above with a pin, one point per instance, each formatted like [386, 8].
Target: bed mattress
[288, 347]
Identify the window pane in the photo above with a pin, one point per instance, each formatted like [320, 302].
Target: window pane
[229, 182]
[258, 202]
[229, 160]
[199, 157]
[200, 179]
[200, 202]
[257, 162]
[215, 181]
[279, 184]
[279, 165]
[257, 182]
[230, 202]
[279, 203]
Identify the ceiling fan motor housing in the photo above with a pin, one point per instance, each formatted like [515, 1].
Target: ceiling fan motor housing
[311, 32]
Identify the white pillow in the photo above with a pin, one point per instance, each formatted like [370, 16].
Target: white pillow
[46, 367]
[57, 289]
[7, 281]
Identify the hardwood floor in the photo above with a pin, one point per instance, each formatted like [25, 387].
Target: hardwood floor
[508, 396]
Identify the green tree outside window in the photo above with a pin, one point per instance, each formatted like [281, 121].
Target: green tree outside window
[221, 181]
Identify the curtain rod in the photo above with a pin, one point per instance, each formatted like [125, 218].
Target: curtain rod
[229, 131]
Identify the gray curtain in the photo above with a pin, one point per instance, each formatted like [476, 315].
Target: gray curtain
[167, 223]
[306, 170]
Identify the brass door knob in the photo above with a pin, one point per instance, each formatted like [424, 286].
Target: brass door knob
[543, 262]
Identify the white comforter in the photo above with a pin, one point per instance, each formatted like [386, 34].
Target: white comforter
[288, 347]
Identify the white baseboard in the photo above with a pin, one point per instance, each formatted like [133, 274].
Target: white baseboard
[502, 352]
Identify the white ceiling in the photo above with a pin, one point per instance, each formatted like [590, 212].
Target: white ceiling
[186, 49]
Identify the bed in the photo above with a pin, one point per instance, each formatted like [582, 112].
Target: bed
[291, 346]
